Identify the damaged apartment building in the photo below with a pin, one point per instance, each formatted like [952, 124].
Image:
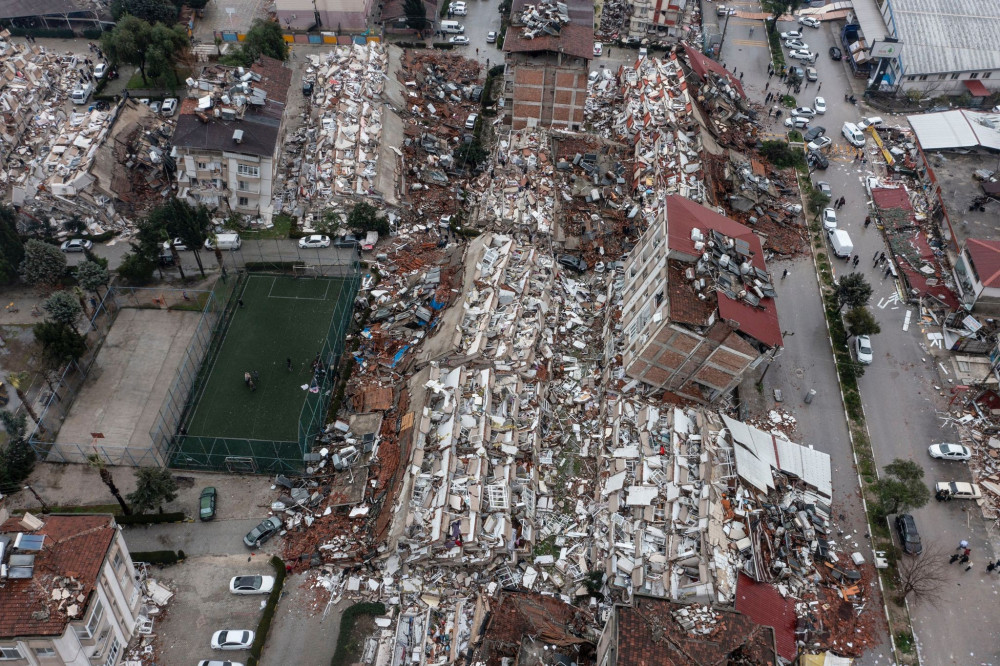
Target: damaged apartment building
[228, 136]
[548, 48]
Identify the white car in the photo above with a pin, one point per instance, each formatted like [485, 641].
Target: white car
[177, 243]
[819, 143]
[863, 349]
[819, 105]
[598, 49]
[809, 21]
[796, 44]
[76, 245]
[217, 662]
[829, 219]
[316, 240]
[470, 122]
[232, 639]
[791, 34]
[798, 122]
[804, 111]
[155, 106]
[100, 70]
[802, 54]
[491, 37]
[949, 451]
[251, 584]
[457, 5]
[459, 39]
[169, 106]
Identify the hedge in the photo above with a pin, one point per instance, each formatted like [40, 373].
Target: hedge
[342, 656]
[150, 518]
[271, 265]
[272, 605]
[445, 46]
[157, 556]
[92, 33]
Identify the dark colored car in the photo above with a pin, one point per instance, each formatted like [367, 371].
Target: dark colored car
[908, 534]
[476, 94]
[835, 53]
[817, 160]
[814, 133]
[573, 263]
[347, 241]
[206, 507]
[263, 532]
[307, 88]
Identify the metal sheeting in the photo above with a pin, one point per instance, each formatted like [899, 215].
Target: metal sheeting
[956, 129]
[810, 465]
[758, 442]
[758, 451]
[752, 470]
[929, 30]
[739, 431]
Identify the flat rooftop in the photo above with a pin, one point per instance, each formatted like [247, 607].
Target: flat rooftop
[958, 188]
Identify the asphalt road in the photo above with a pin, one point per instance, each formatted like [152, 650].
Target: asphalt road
[482, 18]
[218, 537]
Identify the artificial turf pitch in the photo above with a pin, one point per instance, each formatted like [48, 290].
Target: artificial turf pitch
[282, 317]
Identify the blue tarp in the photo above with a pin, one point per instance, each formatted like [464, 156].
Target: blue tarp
[399, 356]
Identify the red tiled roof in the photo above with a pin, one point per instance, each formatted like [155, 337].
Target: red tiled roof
[986, 256]
[702, 64]
[895, 197]
[75, 546]
[683, 215]
[765, 606]
[573, 40]
[275, 78]
[760, 322]
[648, 635]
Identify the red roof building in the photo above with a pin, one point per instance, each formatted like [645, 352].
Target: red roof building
[762, 603]
[977, 273]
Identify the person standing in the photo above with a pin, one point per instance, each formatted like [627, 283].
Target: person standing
[288, 362]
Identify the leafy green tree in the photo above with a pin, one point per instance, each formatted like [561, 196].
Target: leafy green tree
[11, 247]
[816, 199]
[64, 308]
[43, 264]
[60, 342]
[166, 46]
[150, 11]
[860, 321]
[153, 48]
[902, 488]
[781, 155]
[365, 217]
[92, 276]
[472, 154]
[17, 459]
[263, 38]
[416, 14]
[136, 268]
[182, 220]
[854, 290]
[154, 486]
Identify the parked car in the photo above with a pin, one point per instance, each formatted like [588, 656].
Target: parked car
[865, 123]
[491, 37]
[232, 639]
[169, 106]
[803, 111]
[316, 240]
[267, 529]
[811, 74]
[176, 242]
[307, 88]
[796, 44]
[347, 241]
[206, 505]
[908, 534]
[100, 70]
[817, 160]
[476, 94]
[949, 451]
[835, 53]
[949, 490]
[76, 245]
[802, 54]
[815, 131]
[573, 263]
[155, 106]
[470, 122]
[809, 21]
[251, 584]
[825, 188]
[863, 349]
[798, 122]
[460, 40]
[791, 34]
[819, 143]
[217, 662]
[796, 72]
[829, 218]
[598, 49]
[819, 104]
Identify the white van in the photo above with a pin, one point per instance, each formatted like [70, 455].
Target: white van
[224, 242]
[81, 93]
[452, 27]
[853, 135]
[840, 243]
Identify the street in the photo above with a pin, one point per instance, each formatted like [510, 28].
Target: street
[902, 390]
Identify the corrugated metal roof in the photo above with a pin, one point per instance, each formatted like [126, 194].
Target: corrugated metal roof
[946, 35]
[753, 470]
[956, 129]
[810, 465]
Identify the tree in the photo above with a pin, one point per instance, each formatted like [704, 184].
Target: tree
[922, 578]
[781, 155]
[854, 290]
[150, 11]
[96, 462]
[472, 153]
[902, 488]
[60, 343]
[166, 46]
[416, 14]
[135, 42]
[92, 276]
[365, 217]
[860, 321]
[19, 381]
[154, 486]
[182, 220]
[43, 265]
[63, 307]
[17, 459]
[136, 268]
[263, 39]
[11, 247]
[817, 199]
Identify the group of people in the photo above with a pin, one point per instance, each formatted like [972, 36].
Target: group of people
[964, 557]
[251, 379]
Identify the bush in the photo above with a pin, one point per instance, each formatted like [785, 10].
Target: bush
[251, 266]
[92, 33]
[157, 556]
[497, 70]
[150, 518]
[343, 657]
[260, 637]
[781, 155]
[445, 46]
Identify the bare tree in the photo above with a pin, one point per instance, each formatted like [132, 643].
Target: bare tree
[922, 578]
[96, 462]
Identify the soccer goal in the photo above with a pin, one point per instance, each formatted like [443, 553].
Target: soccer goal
[305, 271]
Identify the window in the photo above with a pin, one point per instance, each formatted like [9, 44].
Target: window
[45, 652]
[194, 181]
[202, 165]
[974, 75]
[243, 201]
[116, 647]
[9, 652]
[942, 77]
[923, 77]
[954, 76]
[987, 75]
[242, 185]
[911, 78]
[92, 624]
[118, 562]
[247, 170]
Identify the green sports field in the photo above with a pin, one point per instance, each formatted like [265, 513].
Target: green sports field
[281, 317]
